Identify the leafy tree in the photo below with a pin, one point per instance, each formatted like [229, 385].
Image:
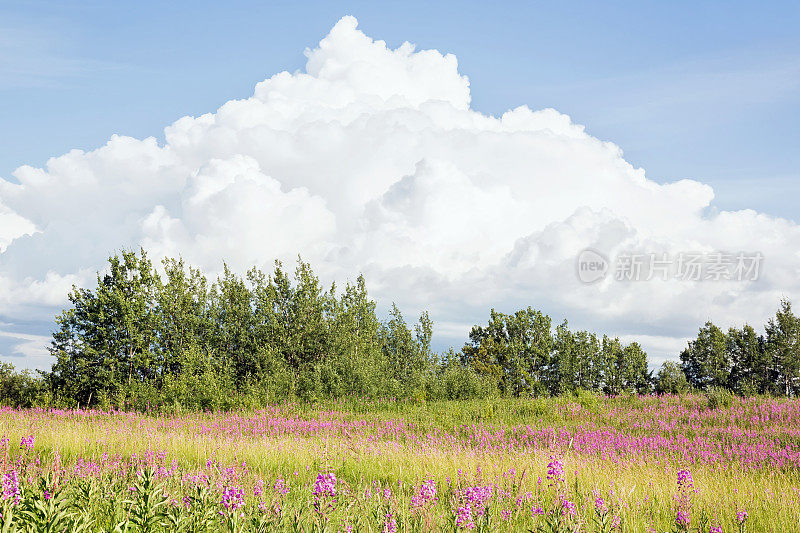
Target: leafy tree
[564, 361]
[407, 353]
[670, 379]
[21, 389]
[706, 361]
[635, 375]
[357, 362]
[106, 341]
[783, 349]
[588, 367]
[513, 349]
[614, 371]
[232, 336]
[750, 372]
[182, 313]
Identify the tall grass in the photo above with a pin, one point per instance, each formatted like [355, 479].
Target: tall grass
[625, 450]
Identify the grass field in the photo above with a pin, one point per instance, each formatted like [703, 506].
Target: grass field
[581, 463]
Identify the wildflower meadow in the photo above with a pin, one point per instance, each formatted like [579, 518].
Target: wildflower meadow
[571, 463]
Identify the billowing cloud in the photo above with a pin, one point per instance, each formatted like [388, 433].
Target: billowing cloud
[371, 160]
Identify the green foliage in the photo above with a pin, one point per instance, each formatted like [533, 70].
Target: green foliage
[782, 348]
[719, 398]
[744, 362]
[523, 357]
[706, 361]
[167, 338]
[22, 389]
[671, 379]
[147, 505]
[171, 340]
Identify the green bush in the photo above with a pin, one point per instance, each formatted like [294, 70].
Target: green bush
[719, 398]
[459, 382]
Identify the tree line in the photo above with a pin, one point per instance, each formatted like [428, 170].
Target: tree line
[741, 360]
[169, 338]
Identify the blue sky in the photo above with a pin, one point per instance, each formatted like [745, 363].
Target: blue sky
[704, 90]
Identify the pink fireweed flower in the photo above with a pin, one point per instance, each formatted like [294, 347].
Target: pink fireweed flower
[555, 471]
[11, 489]
[390, 524]
[324, 493]
[715, 529]
[682, 519]
[537, 511]
[325, 485]
[600, 505]
[425, 494]
[464, 517]
[27, 442]
[478, 495]
[280, 486]
[685, 480]
[684, 497]
[524, 498]
[741, 517]
[427, 490]
[233, 498]
[568, 508]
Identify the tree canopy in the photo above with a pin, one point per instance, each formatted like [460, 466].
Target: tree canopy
[168, 336]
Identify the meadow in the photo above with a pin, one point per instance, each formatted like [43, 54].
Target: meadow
[575, 463]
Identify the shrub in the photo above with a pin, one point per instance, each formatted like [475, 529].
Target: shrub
[719, 398]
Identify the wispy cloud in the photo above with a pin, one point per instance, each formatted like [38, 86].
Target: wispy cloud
[701, 84]
[31, 58]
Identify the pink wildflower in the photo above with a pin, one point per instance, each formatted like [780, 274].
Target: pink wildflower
[741, 516]
[232, 498]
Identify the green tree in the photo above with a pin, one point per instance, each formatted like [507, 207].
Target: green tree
[183, 320]
[357, 363]
[706, 361]
[514, 349]
[614, 372]
[588, 364]
[232, 338]
[564, 365]
[407, 352]
[635, 375]
[750, 371]
[783, 349]
[670, 379]
[106, 342]
[21, 389]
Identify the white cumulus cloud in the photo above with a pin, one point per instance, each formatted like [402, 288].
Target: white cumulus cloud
[371, 160]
